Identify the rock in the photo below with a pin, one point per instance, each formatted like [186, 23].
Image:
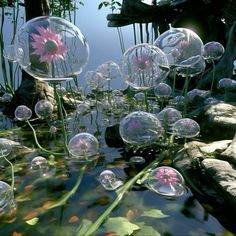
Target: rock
[218, 121]
[223, 176]
[230, 153]
[211, 180]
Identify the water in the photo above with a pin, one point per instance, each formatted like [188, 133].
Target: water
[35, 194]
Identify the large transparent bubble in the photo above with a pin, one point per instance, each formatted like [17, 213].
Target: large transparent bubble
[83, 147]
[95, 80]
[51, 48]
[166, 181]
[140, 128]
[186, 128]
[144, 66]
[23, 113]
[7, 201]
[183, 49]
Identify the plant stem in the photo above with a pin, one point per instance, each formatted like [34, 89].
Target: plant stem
[59, 105]
[121, 191]
[39, 146]
[64, 199]
[12, 173]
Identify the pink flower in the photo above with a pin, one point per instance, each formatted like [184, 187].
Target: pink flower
[48, 45]
[142, 62]
[166, 176]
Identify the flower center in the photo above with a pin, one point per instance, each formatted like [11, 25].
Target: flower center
[51, 47]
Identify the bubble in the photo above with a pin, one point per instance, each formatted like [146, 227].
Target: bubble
[95, 80]
[178, 101]
[192, 94]
[109, 180]
[144, 66]
[162, 90]
[179, 44]
[23, 113]
[109, 69]
[83, 146]
[6, 97]
[51, 48]
[39, 163]
[168, 116]
[9, 53]
[139, 97]
[137, 160]
[213, 51]
[166, 181]
[83, 108]
[191, 67]
[140, 128]
[41, 166]
[186, 128]
[43, 109]
[5, 147]
[227, 84]
[7, 201]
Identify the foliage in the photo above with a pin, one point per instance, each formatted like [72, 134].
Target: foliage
[112, 4]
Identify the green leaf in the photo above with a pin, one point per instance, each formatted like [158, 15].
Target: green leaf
[84, 226]
[32, 221]
[120, 225]
[154, 213]
[146, 230]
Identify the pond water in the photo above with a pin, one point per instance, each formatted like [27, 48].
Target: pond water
[139, 211]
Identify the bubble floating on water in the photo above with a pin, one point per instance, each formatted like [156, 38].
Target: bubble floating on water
[5, 147]
[40, 164]
[168, 116]
[162, 90]
[213, 51]
[51, 48]
[6, 97]
[7, 201]
[186, 128]
[140, 128]
[144, 66]
[83, 147]
[166, 181]
[43, 109]
[137, 160]
[23, 113]
[109, 180]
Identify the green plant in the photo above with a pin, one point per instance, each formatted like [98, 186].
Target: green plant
[112, 4]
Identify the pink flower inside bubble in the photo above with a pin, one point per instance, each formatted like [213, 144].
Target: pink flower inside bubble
[166, 176]
[48, 45]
